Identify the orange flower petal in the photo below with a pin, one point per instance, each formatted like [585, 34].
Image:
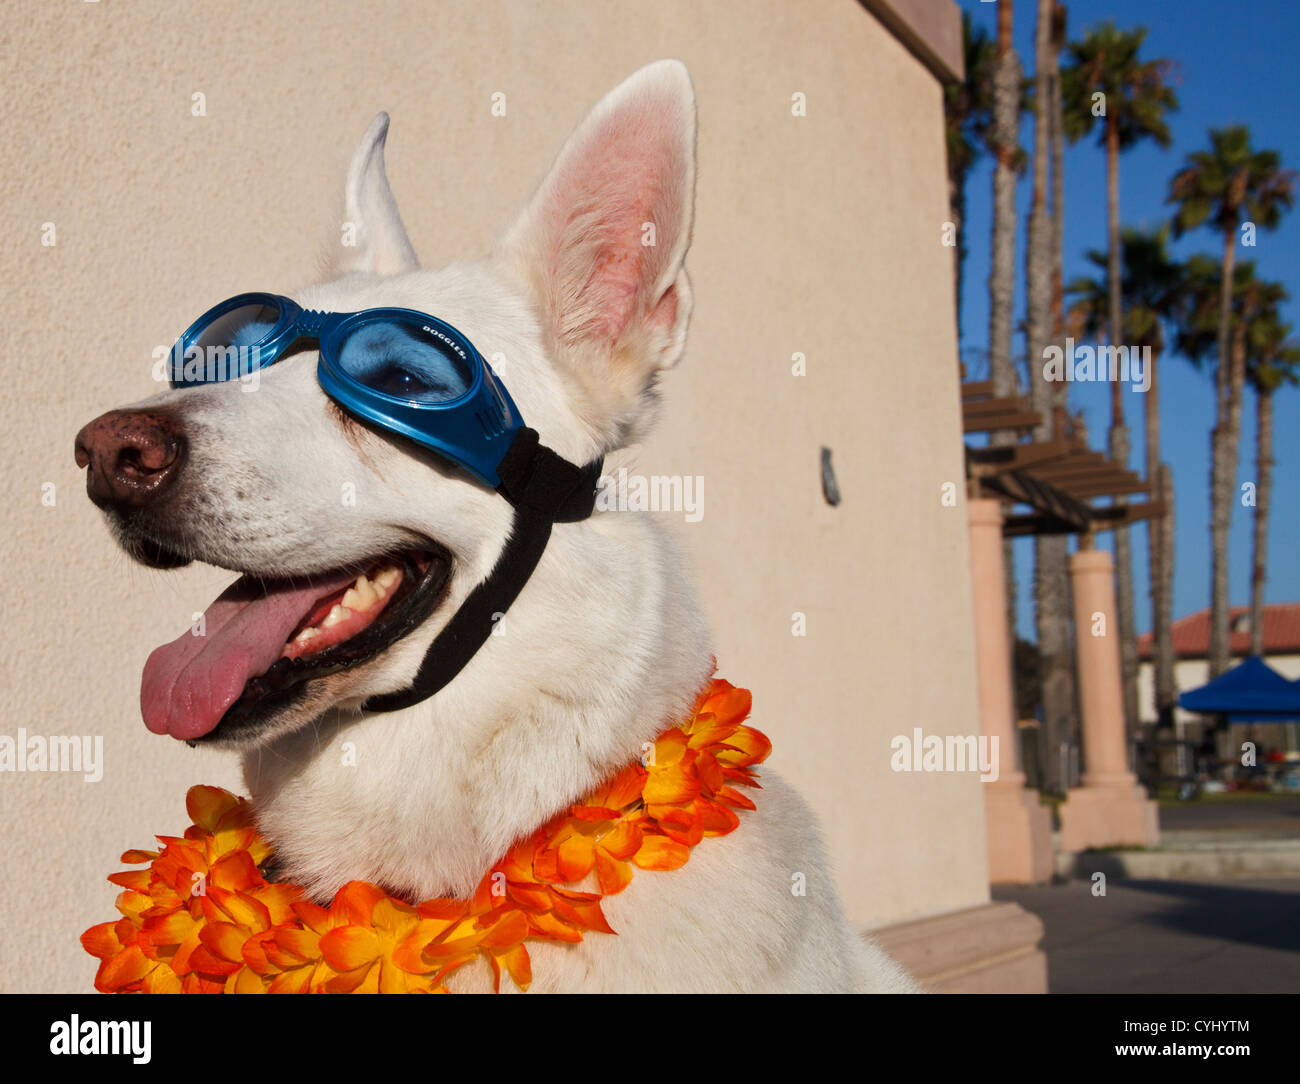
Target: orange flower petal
[517, 964]
[313, 915]
[161, 980]
[734, 797]
[681, 825]
[278, 899]
[661, 853]
[101, 940]
[208, 964]
[625, 787]
[207, 805]
[745, 747]
[225, 941]
[729, 703]
[708, 730]
[595, 813]
[348, 981]
[575, 858]
[531, 897]
[137, 879]
[245, 981]
[305, 944]
[235, 871]
[584, 913]
[128, 966]
[354, 903]
[624, 839]
[716, 819]
[510, 930]
[135, 857]
[612, 875]
[291, 982]
[549, 926]
[168, 929]
[671, 747]
[668, 786]
[350, 947]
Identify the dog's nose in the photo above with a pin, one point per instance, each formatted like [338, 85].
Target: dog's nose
[133, 456]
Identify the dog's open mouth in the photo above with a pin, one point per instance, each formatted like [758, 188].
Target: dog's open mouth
[264, 637]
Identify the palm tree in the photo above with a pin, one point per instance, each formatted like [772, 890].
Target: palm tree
[968, 115]
[1038, 252]
[1056, 115]
[1151, 292]
[1272, 360]
[1006, 146]
[1216, 187]
[1135, 98]
[1043, 325]
[1007, 100]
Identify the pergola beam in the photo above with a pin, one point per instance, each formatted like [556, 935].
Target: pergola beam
[1023, 420]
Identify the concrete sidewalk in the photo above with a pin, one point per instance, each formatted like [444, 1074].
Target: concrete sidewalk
[1228, 838]
[1168, 937]
[1277, 815]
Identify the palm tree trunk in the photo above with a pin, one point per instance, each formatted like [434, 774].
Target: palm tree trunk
[1051, 576]
[1160, 556]
[1263, 493]
[1119, 446]
[1223, 468]
[1166, 679]
[1002, 274]
[1038, 251]
[1049, 601]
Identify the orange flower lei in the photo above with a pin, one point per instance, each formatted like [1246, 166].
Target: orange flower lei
[203, 919]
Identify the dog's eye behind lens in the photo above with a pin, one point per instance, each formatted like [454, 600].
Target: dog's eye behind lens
[406, 362]
[402, 383]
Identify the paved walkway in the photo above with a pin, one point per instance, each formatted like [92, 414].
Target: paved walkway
[1168, 937]
[1276, 815]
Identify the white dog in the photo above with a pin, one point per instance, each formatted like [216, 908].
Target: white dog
[604, 648]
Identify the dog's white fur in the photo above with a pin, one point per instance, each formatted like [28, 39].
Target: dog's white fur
[605, 646]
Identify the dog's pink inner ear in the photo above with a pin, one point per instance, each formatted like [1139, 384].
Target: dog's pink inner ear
[616, 215]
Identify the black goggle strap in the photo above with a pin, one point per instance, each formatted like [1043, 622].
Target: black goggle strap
[544, 490]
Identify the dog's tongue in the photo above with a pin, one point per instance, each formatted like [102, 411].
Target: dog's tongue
[188, 684]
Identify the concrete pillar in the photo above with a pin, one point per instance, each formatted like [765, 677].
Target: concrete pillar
[1019, 826]
[1110, 808]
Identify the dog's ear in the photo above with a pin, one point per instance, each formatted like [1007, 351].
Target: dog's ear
[374, 238]
[602, 242]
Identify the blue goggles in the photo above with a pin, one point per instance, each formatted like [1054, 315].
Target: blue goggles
[402, 370]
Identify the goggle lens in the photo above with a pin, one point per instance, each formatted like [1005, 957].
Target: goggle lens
[409, 362]
[226, 347]
[241, 328]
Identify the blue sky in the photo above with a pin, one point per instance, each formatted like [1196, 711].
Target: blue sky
[1236, 63]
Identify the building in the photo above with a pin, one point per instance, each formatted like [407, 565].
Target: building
[1191, 640]
[178, 175]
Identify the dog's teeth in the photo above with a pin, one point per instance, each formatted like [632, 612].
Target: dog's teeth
[388, 577]
[309, 633]
[335, 616]
[360, 596]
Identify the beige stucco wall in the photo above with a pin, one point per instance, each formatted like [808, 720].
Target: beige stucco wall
[817, 234]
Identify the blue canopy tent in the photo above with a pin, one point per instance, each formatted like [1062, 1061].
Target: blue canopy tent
[1251, 692]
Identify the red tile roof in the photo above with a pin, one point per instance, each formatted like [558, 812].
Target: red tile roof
[1191, 634]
